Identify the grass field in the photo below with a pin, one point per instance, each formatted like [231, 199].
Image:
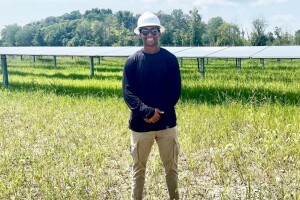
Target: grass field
[64, 135]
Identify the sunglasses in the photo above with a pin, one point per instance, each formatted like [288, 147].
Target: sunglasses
[146, 32]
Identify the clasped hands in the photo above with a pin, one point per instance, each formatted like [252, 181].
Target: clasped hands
[155, 117]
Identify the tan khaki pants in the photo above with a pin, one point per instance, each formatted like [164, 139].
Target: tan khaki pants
[141, 143]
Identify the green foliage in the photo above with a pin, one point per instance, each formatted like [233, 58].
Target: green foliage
[102, 27]
[297, 37]
[196, 27]
[8, 34]
[74, 15]
[229, 35]
[211, 35]
[282, 38]
[126, 19]
[25, 36]
[258, 36]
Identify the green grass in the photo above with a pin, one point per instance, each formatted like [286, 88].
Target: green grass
[64, 135]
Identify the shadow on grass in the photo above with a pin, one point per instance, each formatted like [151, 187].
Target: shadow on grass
[71, 76]
[245, 95]
[208, 95]
[77, 91]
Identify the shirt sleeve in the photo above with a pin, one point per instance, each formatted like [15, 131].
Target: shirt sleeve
[174, 89]
[129, 91]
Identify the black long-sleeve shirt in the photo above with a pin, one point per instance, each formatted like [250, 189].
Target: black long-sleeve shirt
[151, 81]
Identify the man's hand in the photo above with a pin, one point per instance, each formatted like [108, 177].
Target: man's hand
[155, 117]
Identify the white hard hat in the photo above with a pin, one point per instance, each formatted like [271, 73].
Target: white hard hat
[148, 19]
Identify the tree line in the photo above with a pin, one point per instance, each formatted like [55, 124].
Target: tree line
[102, 27]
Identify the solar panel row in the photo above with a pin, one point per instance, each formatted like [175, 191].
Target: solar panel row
[180, 52]
[237, 52]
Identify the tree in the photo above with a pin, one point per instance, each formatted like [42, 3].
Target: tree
[72, 16]
[110, 30]
[50, 20]
[126, 19]
[97, 14]
[177, 38]
[8, 34]
[178, 20]
[259, 40]
[270, 38]
[25, 36]
[229, 35]
[282, 38]
[196, 28]
[178, 26]
[55, 34]
[210, 37]
[98, 29]
[297, 38]
[124, 36]
[258, 36]
[167, 37]
[38, 39]
[103, 28]
[165, 19]
[84, 32]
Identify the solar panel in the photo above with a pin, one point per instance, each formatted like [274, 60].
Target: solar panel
[181, 52]
[59, 51]
[73, 51]
[197, 52]
[121, 52]
[24, 50]
[127, 51]
[176, 49]
[279, 52]
[237, 52]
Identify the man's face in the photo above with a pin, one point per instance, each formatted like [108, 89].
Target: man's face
[150, 35]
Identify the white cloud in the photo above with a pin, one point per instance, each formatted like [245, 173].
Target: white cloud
[267, 2]
[150, 1]
[283, 17]
[288, 22]
[215, 3]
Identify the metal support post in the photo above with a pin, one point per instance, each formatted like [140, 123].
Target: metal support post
[54, 61]
[181, 62]
[4, 70]
[201, 66]
[238, 63]
[262, 62]
[91, 66]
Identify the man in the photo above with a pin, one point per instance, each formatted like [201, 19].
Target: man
[151, 89]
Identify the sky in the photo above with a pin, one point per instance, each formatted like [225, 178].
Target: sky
[281, 13]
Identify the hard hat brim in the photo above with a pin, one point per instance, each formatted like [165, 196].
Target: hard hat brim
[137, 31]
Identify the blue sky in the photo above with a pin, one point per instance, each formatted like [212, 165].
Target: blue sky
[281, 13]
